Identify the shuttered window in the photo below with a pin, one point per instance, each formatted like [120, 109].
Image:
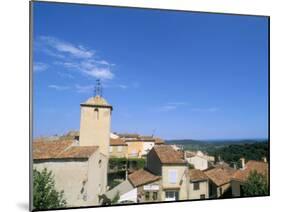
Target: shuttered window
[172, 176]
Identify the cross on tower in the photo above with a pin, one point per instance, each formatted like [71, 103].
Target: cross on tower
[98, 88]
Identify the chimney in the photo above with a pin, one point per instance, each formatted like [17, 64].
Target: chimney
[243, 162]
[264, 159]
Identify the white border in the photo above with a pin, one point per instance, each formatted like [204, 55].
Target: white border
[14, 87]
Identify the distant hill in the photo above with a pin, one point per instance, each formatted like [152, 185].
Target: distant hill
[212, 145]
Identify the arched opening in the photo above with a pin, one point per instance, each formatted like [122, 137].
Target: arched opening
[96, 113]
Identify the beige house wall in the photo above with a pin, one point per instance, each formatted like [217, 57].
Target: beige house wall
[95, 127]
[142, 190]
[147, 146]
[135, 149]
[81, 180]
[198, 162]
[114, 151]
[203, 189]
[180, 183]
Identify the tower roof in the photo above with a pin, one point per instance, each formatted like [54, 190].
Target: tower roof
[96, 101]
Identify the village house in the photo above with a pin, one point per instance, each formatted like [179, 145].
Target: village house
[80, 167]
[141, 186]
[198, 159]
[148, 185]
[219, 181]
[118, 148]
[78, 170]
[197, 184]
[241, 175]
[168, 163]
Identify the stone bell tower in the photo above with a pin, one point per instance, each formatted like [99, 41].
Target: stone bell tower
[95, 122]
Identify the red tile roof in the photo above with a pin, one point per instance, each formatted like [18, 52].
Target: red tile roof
[78, 152]
[197, 175]
[168, 155]
[142, 177]
[60, 150]
[259, 166]
[219, 175]
[49, 149]
[159, 141]
[117, 142]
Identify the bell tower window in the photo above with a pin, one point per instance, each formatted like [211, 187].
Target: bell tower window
[96, 112]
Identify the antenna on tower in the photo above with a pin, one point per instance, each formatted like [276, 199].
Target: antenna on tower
[153, 132]
[98, 88]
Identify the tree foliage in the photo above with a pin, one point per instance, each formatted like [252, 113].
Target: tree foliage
[44, 194]
[255, 185]
[232, 153]
[115, 198]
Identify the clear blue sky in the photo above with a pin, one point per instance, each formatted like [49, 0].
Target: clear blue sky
[182, 74]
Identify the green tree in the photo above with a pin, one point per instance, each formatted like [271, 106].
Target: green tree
[44, 194]
[255, 185]
[115, 198]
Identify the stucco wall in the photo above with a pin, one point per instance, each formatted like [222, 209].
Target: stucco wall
[95, 128]
[198, 162]
[150, 188]
[135, 149]
[147, 146]
[117, 154]
[180, 182]
[203, 189]
[80, 179]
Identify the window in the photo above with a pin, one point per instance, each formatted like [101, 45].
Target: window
[119, 148]
[202, 196]
[110, 149]
[155, 195]
[146, 195]
[196, 186]
[171, 195]
[97, 113]
[172, 176]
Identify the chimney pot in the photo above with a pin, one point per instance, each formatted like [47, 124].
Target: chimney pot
[243, 162]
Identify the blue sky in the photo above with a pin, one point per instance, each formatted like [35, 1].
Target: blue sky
[180, 74]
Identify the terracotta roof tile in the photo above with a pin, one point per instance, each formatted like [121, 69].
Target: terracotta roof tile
[197, 175]
[259, 166]
[159, 141]
[142, 177]
[78, 152]
[49, 149]
[220, 175]
[117, 142]
[168, 155]
[61, 150]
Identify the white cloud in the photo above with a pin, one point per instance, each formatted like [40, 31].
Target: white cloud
[64, 47]
[39, 67]
[58, 87]
[76, 57]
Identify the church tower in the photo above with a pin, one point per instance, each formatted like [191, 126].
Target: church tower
[95, 122]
